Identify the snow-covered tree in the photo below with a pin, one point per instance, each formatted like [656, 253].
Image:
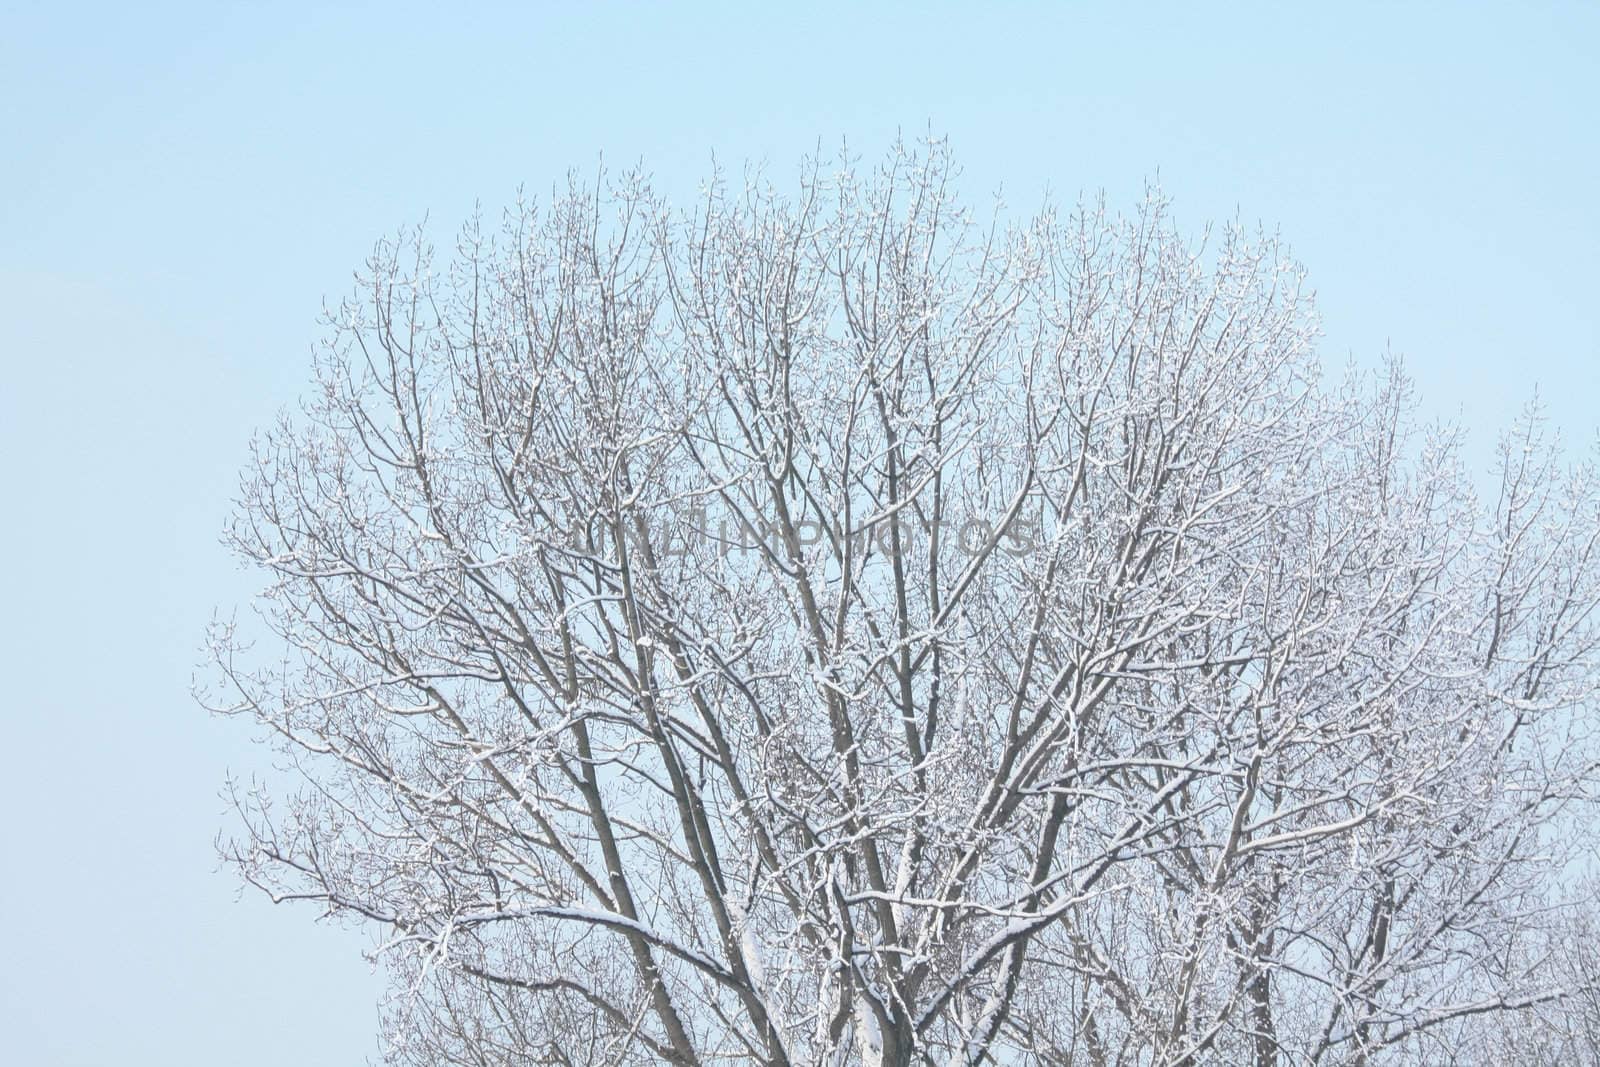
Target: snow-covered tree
[829, 628]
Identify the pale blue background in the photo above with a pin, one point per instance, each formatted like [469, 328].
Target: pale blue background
[180, 187]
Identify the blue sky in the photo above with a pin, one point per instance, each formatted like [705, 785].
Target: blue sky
[182, 186]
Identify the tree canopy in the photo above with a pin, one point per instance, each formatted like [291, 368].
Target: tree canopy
[832, 627]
